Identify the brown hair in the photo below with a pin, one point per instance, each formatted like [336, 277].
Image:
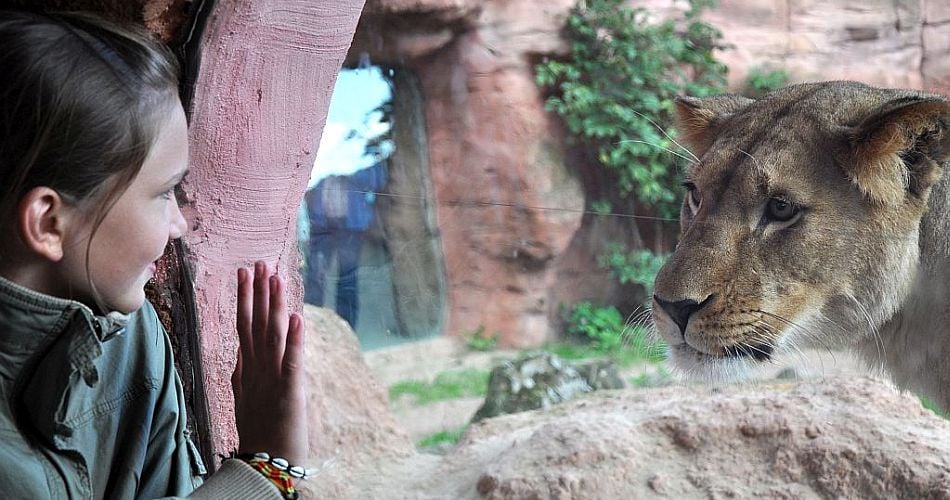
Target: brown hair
[81, 104]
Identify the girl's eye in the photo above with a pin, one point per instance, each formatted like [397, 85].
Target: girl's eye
[692, 197]
[171, 193]
[780, 210]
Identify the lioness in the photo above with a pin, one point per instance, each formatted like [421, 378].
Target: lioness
[818, 215]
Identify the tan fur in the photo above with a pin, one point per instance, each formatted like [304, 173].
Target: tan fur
[866, 263]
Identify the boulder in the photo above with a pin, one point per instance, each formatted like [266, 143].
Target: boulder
[601, 374]
[844, 437]
[529, 383]
[348, 408]
[541, 380]
[350, 421]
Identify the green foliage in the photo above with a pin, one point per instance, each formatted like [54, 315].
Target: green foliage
[447, 385]
[609, 335]
[448, 436]
[478, 341]
[761, 81]
[655, 379]
[638, 266]
[636, 350]
[601, 207]
[572, 351]
[930, 405]
[604, 326]
[616, 88]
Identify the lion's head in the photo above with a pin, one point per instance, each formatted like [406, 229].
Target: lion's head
[800, 222]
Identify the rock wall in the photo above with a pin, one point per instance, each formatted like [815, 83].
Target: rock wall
[497, 160]
[897, 43]
[489, 155]
[412, 233]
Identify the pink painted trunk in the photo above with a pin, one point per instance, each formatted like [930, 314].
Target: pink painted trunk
[261, 99]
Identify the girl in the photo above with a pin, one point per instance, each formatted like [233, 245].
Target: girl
[93, 143]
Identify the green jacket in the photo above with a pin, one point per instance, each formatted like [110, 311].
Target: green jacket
[91, 407]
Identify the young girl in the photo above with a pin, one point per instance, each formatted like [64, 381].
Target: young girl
[93, 143]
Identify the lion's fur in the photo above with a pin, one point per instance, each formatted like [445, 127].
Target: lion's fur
[865, 265]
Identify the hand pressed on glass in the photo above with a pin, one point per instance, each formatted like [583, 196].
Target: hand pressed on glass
[268, 381]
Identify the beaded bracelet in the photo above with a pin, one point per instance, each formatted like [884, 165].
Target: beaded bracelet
[278, 470]
[280, 478]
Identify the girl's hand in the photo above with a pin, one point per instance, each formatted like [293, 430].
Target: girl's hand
[270, 397]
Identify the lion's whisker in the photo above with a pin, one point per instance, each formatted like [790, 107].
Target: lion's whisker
[668, 150]
[798, 330]
[668, 136]
[790, 346]
[875, 333]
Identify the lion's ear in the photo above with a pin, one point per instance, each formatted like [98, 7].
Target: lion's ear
[898, 149]
[698, 120]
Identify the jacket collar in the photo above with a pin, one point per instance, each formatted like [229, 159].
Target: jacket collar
[46, 345]
[31, 321]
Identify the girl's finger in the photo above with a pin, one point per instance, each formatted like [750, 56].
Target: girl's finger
[276, 323]
[261, 307]
[292, 365]
[245, 311]
[236, 382]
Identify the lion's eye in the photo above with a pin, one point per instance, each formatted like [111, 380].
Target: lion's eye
[781, 210]
[692, 197]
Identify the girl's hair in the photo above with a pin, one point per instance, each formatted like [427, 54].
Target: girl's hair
[81, 104]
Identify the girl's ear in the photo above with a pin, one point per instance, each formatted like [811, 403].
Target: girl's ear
[42, 219]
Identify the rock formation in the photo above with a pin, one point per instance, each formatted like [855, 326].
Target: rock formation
[541, 380]
[843, 438]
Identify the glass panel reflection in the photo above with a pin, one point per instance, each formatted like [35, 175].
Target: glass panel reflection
[365, 229]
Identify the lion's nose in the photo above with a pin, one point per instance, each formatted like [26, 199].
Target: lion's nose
[681, 310]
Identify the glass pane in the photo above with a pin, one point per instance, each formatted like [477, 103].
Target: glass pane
[365, 227]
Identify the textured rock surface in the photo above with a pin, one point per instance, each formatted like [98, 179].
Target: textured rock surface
[601, 374]
[878, 41]
[411, 229]
[841, 438]
[349, 409]
[493, 151]
[260, 103]
[351, 427]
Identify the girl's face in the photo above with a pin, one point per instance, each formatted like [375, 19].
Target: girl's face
[135, 231]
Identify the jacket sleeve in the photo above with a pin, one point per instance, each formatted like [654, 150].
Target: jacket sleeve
[235, 479]
[172, 461]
